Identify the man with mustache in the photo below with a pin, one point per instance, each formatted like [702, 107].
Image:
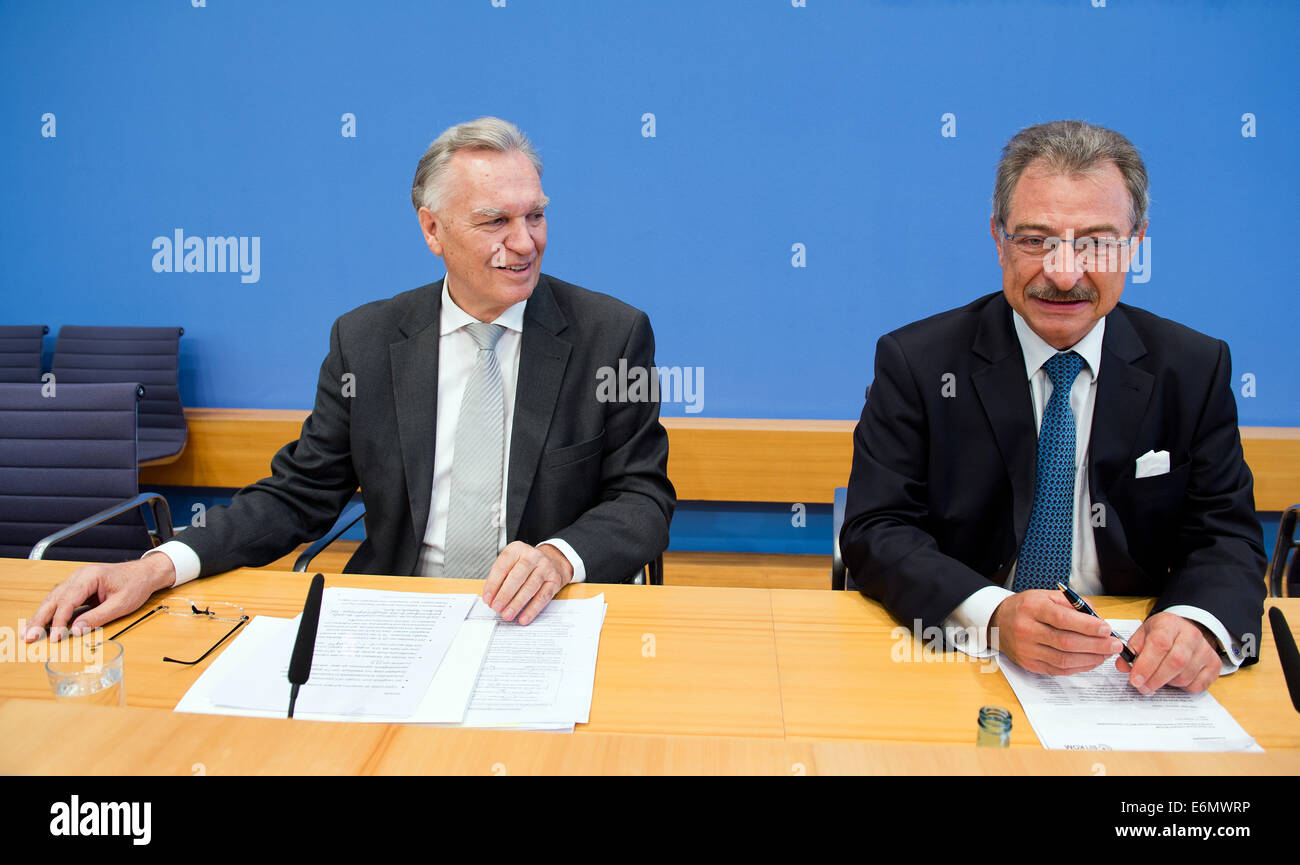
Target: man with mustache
[467, 411]
[1048, 433]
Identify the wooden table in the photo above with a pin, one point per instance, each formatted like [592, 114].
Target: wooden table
[53, 740]
[688, 680]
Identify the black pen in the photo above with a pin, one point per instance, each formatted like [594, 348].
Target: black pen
[1082, 606]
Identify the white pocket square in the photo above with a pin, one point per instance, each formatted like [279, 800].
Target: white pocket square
[1153, 463]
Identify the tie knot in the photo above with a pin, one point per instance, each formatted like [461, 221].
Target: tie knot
[485, 335]
[1063, 369]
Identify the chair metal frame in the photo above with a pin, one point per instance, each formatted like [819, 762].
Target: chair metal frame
[351, 515]
[162, 517]
[840, 578]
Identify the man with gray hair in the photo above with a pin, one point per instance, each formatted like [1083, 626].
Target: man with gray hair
[466, 410]
[1048, 434]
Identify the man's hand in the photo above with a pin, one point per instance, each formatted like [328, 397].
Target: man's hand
[523, 580]
[115, 590]
[1174, 651]
[1041, 632]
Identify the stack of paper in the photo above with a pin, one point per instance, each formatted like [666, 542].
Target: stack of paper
[411, 657]
[1100, 711]
[539, 676]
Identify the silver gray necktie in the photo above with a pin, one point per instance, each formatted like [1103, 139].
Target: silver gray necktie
[474, 513]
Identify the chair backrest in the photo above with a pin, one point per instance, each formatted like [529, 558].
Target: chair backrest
[1291, 584]
[147, 355]
[1283, 579]
[21, 346]
[840, 576]
[64, 457]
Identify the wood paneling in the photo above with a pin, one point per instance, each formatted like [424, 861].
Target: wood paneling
[681, 568]
[710, 459]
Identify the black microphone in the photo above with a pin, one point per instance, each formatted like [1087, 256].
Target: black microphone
[1287, 653]
[305, 646]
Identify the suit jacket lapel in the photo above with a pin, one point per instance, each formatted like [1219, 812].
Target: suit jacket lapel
[543, 357]
[1123, 391]
[1003, 390]
[415, 391]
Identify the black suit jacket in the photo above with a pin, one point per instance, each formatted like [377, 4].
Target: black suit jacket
[942, 486]
[592, 473]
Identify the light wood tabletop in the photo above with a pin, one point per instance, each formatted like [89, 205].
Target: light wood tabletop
[698, 661]
[688, 679]
[849, 671]
[44, 739]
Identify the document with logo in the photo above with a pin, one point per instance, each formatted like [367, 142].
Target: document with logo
[1099, 710]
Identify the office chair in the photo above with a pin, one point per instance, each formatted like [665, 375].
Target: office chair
[651, 575]
[349, 518]
[840, 577]
[20, 352]
[68, 469]
[148, 355]
[1284, 567]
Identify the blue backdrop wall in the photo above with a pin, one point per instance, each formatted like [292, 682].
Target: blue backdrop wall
[773, 125]
[696, 151]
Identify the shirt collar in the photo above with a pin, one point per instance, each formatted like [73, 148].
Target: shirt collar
[454, 318]
[1037, 351]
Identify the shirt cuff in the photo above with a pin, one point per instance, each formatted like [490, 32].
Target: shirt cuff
[579, 569]
[1229, 648]
[184, 560]
[967, 626]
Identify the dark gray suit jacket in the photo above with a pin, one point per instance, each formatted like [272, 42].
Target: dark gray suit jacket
[942, 486]
[592, 473]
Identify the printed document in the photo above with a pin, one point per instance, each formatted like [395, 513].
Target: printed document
[376, 653]
[444, 702]
[540, 676]
[434, 665]
[1100, 710]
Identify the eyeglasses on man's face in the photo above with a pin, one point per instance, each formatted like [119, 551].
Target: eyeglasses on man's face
[1094, 248]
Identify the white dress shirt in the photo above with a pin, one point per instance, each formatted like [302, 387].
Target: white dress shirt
[969, 622]
[456, 353]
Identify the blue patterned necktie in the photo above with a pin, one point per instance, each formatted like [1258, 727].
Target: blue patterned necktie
[1045, 555]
